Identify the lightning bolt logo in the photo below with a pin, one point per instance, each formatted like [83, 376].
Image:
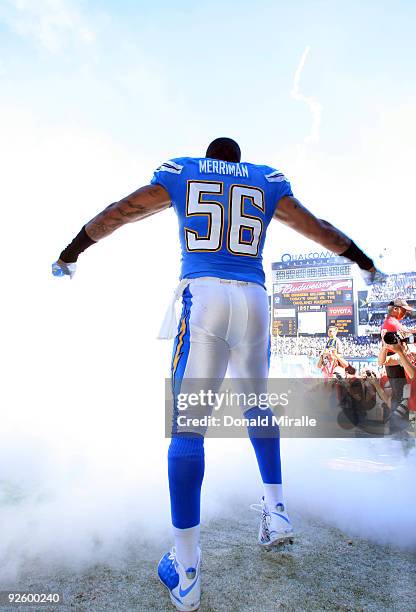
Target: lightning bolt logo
[182, 332]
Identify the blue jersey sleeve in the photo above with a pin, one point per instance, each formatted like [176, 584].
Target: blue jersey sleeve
[280, 184]
[168, 176]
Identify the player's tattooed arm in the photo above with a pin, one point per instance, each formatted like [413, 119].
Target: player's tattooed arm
[142, 203]
[293, 214]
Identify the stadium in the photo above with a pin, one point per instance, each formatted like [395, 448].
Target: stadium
[316, 290]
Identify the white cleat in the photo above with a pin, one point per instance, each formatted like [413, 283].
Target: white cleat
[184, 585]
[275, 526]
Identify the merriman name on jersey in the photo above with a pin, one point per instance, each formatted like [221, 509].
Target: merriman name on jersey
[221, 167]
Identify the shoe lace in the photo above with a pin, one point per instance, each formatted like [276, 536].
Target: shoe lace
[265, 515]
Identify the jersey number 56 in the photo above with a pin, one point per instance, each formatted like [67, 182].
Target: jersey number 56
[243, 232]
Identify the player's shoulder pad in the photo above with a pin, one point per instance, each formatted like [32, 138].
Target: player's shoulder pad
[272, 175]
[175, 166]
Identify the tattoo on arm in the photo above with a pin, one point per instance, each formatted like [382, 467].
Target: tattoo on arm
[341, 242]
[293, 214]
[142, 203]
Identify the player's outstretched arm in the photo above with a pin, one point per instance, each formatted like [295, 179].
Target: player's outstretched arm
[142, 203]
[293, 214]
[146, 201]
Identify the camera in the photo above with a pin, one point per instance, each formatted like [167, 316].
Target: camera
[394, 338]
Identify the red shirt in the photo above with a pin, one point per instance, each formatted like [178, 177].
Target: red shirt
[328, 368]
[392, 324]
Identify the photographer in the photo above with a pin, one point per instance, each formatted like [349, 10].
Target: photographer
[402, 356]
[363, 399]
[395, 352]
[396, 312]
[373, 392]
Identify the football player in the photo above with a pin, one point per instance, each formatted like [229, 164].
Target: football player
[224, 207]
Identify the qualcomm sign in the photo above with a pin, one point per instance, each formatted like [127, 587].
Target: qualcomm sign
[288, 257]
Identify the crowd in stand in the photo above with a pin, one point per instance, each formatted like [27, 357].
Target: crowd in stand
[375, 322]
[377, 319]
[360, 346]
[311, 346]
[403, 285]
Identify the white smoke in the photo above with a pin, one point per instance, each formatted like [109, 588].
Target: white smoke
[71, 505]
[364, 487]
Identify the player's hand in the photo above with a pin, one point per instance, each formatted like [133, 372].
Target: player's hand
[374, 276]
[61, 268]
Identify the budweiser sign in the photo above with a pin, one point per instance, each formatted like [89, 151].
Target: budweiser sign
[339, 311]
[314, 286]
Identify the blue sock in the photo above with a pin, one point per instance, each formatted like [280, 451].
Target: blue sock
[266, 443]
[186, 471]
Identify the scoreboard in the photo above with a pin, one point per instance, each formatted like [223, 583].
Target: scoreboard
[284, 326]
[310, 306]
[342, 317]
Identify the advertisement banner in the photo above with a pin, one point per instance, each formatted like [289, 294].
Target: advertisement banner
[313, 286]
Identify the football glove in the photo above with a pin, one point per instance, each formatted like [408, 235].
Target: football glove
[61, 268]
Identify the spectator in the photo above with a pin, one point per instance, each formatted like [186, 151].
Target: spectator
[397, 310]
[327, 362]
[403, 357]
[359, 396]
[333, 342]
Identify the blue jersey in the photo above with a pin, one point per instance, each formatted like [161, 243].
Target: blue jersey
[223, 210]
